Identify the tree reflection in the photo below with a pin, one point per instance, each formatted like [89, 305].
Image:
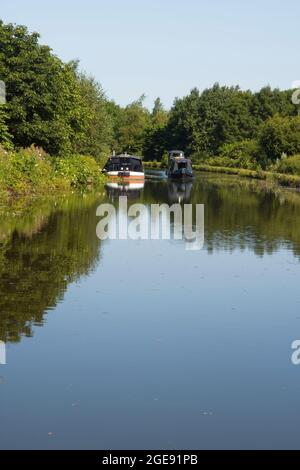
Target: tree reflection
[41, 253]
[55, 243]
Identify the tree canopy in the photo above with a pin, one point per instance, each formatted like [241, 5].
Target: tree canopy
[44, 103]
[54, 105]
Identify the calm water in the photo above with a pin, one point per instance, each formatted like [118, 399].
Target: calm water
[143, 344]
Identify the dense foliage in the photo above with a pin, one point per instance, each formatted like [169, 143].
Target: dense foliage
[289, 165]
[31, 170]
[228, 126]
[5, 137]
[44, 104]
[54, 106]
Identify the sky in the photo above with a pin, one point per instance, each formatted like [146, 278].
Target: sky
[167, 47]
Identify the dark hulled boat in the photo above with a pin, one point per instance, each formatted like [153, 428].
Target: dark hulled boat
[124, 167]
[180, 167]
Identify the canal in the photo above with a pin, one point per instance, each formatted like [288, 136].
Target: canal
[122, 344]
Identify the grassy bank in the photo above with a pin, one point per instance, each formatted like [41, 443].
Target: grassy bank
[31, 171]
[153, 164]
[292, 181]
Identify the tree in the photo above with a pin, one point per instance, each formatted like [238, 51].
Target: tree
[201, 123]
[134, 122]
[267, 102]
[44, 103]
[99, 134]
[280, 135]
[5, 137]
[155, 134]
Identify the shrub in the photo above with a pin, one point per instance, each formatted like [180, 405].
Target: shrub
[280, 135]
[31, 170]
[289, 165]
[24, 171]
[242, 154]
[79, 170]
[236, 155]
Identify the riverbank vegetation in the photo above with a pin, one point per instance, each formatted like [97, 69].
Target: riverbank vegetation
[31, 171]
[68, 126]
[225, 127]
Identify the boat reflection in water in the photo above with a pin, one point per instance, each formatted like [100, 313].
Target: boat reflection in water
[131, 190]
[125, 167]
[179, 191]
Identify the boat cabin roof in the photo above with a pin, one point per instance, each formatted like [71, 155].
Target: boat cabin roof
[124, 155]
[178, 161]
[176, 154]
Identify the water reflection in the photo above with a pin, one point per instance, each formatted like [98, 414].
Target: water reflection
[239, 213]
[156, 346]
[56, 243]
[179, 191]
[131, 190]
[40, 255]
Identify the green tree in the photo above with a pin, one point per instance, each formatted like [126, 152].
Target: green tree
[5, 137]
[99, 134]
[201, 123]
[117, 115]
[134, 122]
[155, 135]
[267, 102]
[44, 103]
[279, 135]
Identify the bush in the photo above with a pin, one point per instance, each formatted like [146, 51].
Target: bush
[25, 171]
[243, 154]
[79, 170]
[31, 170]
[288, 165]
[280, 135]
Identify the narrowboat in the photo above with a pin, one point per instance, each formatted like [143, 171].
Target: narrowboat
[180, 167]
[124, 167]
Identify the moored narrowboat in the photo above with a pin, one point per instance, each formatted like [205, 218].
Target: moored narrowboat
[180, 167]
[124, 167]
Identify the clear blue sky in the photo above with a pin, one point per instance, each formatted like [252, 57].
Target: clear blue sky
[166, 47]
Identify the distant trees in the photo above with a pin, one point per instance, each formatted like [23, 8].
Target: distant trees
[267, 102]
[99, 129]
[202, 122]
[246, 129]
[155, 135]
[280, 135]
[55, 106]
[134, 120]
